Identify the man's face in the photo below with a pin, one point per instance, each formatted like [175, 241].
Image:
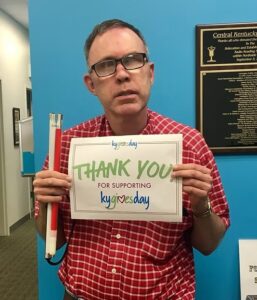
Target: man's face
[126, 92]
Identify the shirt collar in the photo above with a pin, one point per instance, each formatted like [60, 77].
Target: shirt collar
[149, 128]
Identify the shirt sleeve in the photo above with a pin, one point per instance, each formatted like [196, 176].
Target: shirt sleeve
[217, 195]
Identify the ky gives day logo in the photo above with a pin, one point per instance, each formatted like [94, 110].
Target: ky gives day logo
[120, 168]
[122, 182]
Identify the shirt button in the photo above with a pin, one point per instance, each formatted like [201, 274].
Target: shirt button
[114, 271]
[118, 236]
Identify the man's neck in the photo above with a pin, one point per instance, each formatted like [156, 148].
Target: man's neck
[128, 125]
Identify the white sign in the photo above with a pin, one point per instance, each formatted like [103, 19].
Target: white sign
[126, 178]
[248, 269]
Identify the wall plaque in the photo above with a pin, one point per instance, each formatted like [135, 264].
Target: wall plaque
[227, 86]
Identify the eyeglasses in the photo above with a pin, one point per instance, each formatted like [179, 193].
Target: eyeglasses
[129, 62]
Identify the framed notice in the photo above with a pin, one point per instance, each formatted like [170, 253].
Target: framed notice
[248, 269]
[126, 178]
[15, 120]
[227, 86]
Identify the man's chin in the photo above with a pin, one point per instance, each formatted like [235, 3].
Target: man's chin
[129, 109]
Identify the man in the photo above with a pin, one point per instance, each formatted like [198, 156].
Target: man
[133, 259]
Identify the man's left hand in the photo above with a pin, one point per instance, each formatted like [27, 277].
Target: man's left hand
[197, 183]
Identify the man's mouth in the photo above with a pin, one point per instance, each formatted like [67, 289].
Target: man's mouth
[125, 93]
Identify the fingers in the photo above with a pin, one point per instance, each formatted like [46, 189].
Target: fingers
[196, 191]
[48, 198]
[197, 179]
[52, 174]
[50, 186]
[191, 167]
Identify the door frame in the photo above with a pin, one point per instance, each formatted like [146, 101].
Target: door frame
[4, 229]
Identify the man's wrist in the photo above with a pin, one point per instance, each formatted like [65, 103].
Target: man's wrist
[205, 212]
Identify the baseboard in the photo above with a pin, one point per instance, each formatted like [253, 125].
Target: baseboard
[19, 222]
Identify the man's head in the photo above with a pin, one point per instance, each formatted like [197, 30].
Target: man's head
[120, 74]
[101, 28]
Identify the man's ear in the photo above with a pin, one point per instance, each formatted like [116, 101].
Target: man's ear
[89, 83]
[152, 72]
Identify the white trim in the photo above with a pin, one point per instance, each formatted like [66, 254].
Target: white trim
[4, 229]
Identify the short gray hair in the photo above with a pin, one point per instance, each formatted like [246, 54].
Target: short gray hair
[103, 27]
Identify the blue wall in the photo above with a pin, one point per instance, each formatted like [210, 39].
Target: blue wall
[57, 32]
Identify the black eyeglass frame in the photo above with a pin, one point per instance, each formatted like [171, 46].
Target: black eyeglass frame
[119, 60]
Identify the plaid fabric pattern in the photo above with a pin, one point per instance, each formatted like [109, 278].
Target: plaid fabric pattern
[116, 260]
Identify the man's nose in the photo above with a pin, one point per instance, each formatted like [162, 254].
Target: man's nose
[121, 72]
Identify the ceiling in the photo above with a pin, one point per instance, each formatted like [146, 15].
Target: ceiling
[17, 9]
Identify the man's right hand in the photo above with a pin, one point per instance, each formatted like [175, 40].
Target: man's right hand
[50, 186]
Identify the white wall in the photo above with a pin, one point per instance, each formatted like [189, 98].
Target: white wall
[14, 76]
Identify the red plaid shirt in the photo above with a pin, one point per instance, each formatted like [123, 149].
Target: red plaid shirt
[135, 260]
